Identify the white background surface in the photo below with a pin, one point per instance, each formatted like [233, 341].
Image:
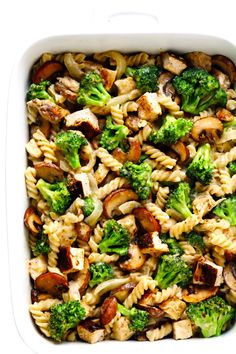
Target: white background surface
[22, 22]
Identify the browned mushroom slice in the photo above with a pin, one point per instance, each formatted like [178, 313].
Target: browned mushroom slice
[154, 312]
[32, 220]
[134, 123]
[108, 310]
[45, 71]
[123, 291]
[146, 220]
[230, 275]
[52, 283]
[199, 60]
[83, 231]
[150, 243]
[200, 294]
[108, 77]
[90, 331]
[115, 199]
[132, 155]
[181, 150]
[208, 129]
[34, 295]
[223, 79]
[207, 273]
[172, 63]
[43, 125]
[85, 120]
[226, 65]
[224, 115]
[49, 111]
[49, 172]
[119, 155]
[82, 277]
[165, 85]
[135, 261]
[70, 259]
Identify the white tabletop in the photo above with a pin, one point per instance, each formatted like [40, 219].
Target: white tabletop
[24, 21]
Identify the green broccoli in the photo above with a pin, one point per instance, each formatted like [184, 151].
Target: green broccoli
[88, 206]
[173, 270]
[232, 167]
[173, 244]
[69, 143]
[92, 91]
[138, 318]
[179, 200]
[42, 245]
[196, 241]
[115, 239]
[226, 210]
[211, 315]
[145, 76]
[39, 91]
[56, 194]
[113, 135]
[139, 176]
[171, 130]
[201, 167]
[100, 272]
[199, 90]
[65, 317]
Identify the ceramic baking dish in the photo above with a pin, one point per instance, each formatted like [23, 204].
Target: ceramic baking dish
[17, 135]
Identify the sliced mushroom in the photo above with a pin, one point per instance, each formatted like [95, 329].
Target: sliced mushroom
[108, 310]
[173, 63]
[83, 231]
[49, 172]
[150, 243]
[208, 129]
[132, 155]
[115, 199]
[108, 77]
[32, 220]
[223, 79]
[85, 120]
[154, 312]
[123, 291]
[146, 220]
[135, 261]
[199, 60]
[82, 277]
[70, 259]
[45, 71]
[226, 65]
[90, 331]
[224, 115]
[200, 294]
[135, 123]
[230, 275]
[43, 125]
[49, 110]
[52, 283]
[181, 150]
[165, 85]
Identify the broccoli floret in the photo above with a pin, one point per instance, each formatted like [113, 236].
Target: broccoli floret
[113, 135]
[232, 167]
[201, 167]
[179, 200]
[39, 91]
[65, 317]
[92, 91]
[173, 270]
[171, 130]
[115, 240]
[196, 241]
[138, 318]
[88, 206]
[100, 272]
[42, 245]
[69, 143]
[139, 176]
[211, 315]
[226, 210]
[145, 76]
[56, 194]
[173, 244]
[198, 90]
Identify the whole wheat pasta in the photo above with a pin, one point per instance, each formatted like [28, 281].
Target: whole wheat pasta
[157, 212]
[129, 106]
[225, 158]
[168, 176]
[101, 173]
[52, 230]
[172, 106]
[137, 293]
[30, 180]
[117, 115]
[159, 333]
[144, 133]
[184, 226]
[102, 257]
[113, 185]
[108, 160]
[161, 158]
[47, 147]
[225, 180]
[33, 149]
[165, 294]
[219, 238]
[137, 59]
[162, 196]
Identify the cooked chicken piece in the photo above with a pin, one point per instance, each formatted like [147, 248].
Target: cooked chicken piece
[48, 110]
[182, 329]
[68, 88]
[150, 243]
[108, 77]
[90, 331]
[83, 231]
[121, 330]
[148, 106]
[70, 259]
[203, 203]
[85, 120]
[173, 308]
[222, 78]
[69, 83]
[129, 223]
[172, 63]
[82, 278]
[125, 85]
[208, 273]
[37, 266]
[199, 60]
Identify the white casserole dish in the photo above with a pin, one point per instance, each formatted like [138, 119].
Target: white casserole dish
[17, 135]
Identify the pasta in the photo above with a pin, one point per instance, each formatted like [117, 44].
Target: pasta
[103, 169]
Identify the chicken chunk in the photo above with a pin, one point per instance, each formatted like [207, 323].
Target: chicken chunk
[199, 60]
[148, 107]
[85, 120]
[121, 330]
[71, 259]
[150, 243]
[208, 273]
[173, 308]
[90, 332]
[172, 63]
[182, 329]
[125, 85]
[48, 110]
